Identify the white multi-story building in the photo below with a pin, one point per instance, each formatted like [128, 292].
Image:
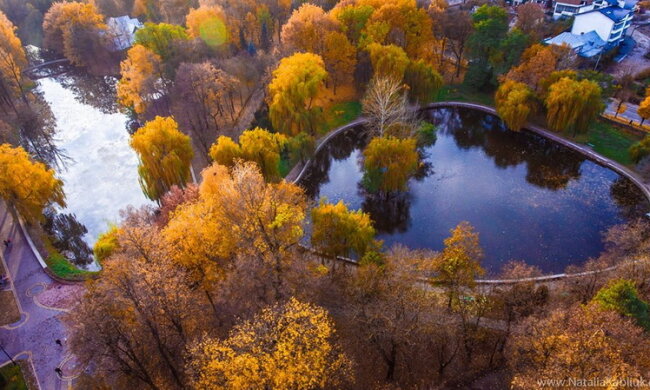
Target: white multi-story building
[610, 23]
[569, 8]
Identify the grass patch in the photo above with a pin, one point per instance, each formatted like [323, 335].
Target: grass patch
[462, 93]
[62, 268]
[610, 141]
[11, 378]
[341, 114]
[9, 312]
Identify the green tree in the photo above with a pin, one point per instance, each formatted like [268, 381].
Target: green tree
[514, 102]
[423, 81]
[490, 31]
[573, 104]
[389, 163]
[160, 38]
[292, 92]
[165, 156]
[622, 297]
[338, 231]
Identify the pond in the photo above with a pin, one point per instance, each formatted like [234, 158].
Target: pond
[529, 198]
[100, 176]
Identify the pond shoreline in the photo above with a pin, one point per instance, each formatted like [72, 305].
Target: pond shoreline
[297, 175]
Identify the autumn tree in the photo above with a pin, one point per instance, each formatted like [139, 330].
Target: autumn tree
[400, 23]
[142, 82]
[165, 156]
[423, 81]
[459, 263]
[62, 24]
[388, 61]
[12, 62]
[537, 63]
[389, 163]
[389, 321]
[640, 150]
[174, 198]
[247, 231]
[644, 108]
[160, 38]
[27, 185]
[338, 231]
[530, 19]
[457, 27]
[340, 58]
[140, 314]
[352, 18]
[107, 243]
[256, 145]
[583, 342]
[285, 346]
[573, 104]
[514, 102]
[203, 102]
[385, 107]
[295, 85]
[307, 29]
[210, 25]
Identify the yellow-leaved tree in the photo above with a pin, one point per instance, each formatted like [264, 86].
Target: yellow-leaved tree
[338, 231]
[644, 107]
[165, 156]
[12, 60]
[388, 61]
[307, 29]
[514, 102]
[141, 79]
[389, 163]
[459, 264]
[208, 24]
[28, 185]
[292, 92]
[573, 104]
[290, 346]
[257, 145]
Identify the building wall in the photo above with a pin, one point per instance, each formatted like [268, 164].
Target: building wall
[593, 21]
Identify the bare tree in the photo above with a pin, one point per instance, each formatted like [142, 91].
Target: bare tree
[386, 109]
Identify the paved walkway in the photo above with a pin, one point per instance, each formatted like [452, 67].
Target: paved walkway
[33, 337]
[630, 113]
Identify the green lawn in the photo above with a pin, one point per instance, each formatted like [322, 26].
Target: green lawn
[610, 141]
[62, 268]
[341, 113]
[11, 378]
[461, 93]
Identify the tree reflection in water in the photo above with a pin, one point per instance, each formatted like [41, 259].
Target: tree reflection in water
[528, 197]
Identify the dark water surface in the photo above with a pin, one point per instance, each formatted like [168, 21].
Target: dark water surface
[529, 198]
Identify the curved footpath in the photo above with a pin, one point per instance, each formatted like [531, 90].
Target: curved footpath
[34, 336]
[298, 172]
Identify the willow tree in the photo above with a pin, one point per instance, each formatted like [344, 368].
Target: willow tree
[423, 81]
[514, 102]
[293, 91]
[141, 81]
[389, 163]
[28, 185]
[257, 145]
[388, 61]
[165, 156]
[12, 61]
[338, 231]
[573, 104]
[288, 346]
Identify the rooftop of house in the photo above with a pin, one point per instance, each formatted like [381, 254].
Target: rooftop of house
[615, 13]
[576, 2]
[586, 45]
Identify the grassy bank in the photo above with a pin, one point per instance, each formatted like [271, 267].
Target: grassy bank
[11, 378]
[62, 268]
